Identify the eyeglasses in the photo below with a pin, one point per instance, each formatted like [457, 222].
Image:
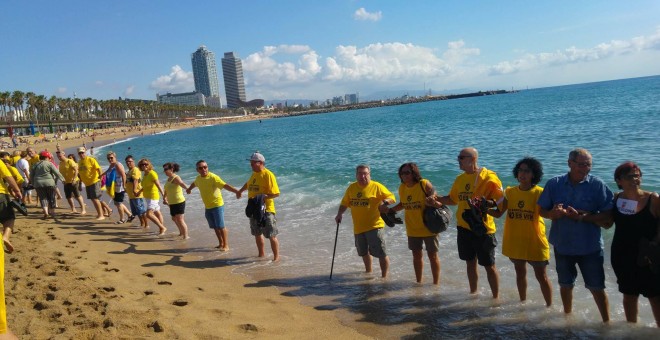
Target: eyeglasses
[202, 167]
[81, 152]
[406, 172]
[582, 164]
[142, 164]
[632, 176]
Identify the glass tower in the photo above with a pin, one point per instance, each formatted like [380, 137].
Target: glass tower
[232, 71]
[205, 72]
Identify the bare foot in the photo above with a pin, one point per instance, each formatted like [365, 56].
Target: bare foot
[186, 237]
[9, 248]
[162, 232]
[83, 212]
[100, 218]
[224, 249]
[276, 258]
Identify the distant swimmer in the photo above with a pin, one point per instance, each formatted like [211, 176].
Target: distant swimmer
[173, 187]
[263, 182]
[364, 197]
[476, 189]
[210, 188]
[523, 239]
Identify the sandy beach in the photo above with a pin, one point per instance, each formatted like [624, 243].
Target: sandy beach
[80, 278]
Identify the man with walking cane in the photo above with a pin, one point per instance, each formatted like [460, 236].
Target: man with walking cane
[364, 197]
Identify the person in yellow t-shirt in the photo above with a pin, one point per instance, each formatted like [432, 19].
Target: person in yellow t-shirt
[364, 197]
[210, 188]
[524, 239]
[69, 169]
[173, 188]
[263, 182]
[414, 193]
[89, 172]
[133, 190]
[151, 189]
[7, 218]
[475, 183]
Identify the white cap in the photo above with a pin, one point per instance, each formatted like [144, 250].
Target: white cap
[257, 157]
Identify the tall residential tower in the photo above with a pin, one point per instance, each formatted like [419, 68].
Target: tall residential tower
[232, 70]
[205, 73]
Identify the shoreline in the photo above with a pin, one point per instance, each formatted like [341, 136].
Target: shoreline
[76, 277]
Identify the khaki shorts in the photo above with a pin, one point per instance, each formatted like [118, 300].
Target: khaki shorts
[432, 243]
[371, 242]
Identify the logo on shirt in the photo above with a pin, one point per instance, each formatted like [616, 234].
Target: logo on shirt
[467, 187]
[521, 204]
[409, 198]
[359, 195]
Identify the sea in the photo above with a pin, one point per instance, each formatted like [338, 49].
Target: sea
[314, 159]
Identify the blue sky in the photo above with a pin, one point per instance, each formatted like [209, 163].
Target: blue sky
[320, 49]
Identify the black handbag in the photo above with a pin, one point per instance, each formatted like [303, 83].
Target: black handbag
[435, 219]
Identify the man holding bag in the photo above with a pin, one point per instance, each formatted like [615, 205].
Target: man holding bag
[476, 186]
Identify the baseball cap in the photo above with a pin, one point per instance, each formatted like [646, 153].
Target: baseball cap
[45, 154]
[82, 149]
[257, 157]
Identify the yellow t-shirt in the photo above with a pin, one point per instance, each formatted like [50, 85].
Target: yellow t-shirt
[4, 172]
[149, 185]
[173, 192]
[14, 159]
[68, 170]
[88, 170]
[524, 229]
[17, 175]
[364, 202]
[263, 182]
[481, 183]
[210, 188]
[133, 178]
[32, 161]
[413, 201]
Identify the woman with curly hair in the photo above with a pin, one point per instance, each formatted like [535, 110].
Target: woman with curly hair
[152, 190]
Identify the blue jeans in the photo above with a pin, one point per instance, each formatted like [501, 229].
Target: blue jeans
[591, 267]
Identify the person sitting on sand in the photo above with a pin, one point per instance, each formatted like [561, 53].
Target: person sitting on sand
[210, 188]
[151, 189]
[174, 197]
[69, 169]
[89, 172]
[7, 218]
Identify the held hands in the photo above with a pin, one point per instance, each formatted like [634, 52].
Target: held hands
[188, 191]
[238, 195]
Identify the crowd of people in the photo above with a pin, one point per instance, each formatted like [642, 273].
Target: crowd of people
[577, 203]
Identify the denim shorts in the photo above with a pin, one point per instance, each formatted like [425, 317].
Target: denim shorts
[137, 206]
[591, 267]
[215, 217]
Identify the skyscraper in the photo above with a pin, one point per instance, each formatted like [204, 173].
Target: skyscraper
[205, 72]
[232, 71]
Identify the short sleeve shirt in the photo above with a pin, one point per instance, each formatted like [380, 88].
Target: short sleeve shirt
[364, 202]
[263, 182]
[149, 185]
[68, 170]
[88, 170]
[481, 183]
[210, 188]
[133, 182]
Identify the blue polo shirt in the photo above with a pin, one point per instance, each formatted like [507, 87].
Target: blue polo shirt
[570, 237]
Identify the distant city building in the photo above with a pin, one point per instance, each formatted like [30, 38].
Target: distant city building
[351, 98]
[205, 72]
[337, 101]
[232, 71]
[188, 98]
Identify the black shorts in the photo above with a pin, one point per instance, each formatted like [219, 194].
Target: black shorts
[481, 247]
[177, 209]
[71, 190]
[6, 211]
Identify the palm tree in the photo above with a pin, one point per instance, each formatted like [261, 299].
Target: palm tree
[5, 101]
[17, 99]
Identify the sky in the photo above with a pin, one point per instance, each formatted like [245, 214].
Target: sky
[321, 49]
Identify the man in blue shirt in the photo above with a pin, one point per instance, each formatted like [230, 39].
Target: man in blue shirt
[578, 205]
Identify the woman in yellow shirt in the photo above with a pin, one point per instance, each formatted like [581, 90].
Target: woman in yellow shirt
[524, 240]
[151, 189]
[174, 197]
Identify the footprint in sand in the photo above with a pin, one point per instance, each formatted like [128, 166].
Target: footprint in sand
[50, 296]
[167, 283]
[59, 253]
[39, 306]
[103, 262]
[13, 260]
[52, 287]
[111, 270]
[180, 303]
[148, 275]
[248, 327]
[148, 292]
[109, 289]
[61, 261]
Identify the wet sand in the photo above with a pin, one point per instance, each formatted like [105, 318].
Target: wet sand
[76, 277]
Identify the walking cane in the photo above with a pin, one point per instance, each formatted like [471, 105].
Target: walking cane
[334, 251]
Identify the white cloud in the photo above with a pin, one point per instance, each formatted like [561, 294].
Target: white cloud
[176, 81]
[262, 68]
[129, 90]
[61, 90]
[98, 83]
[573, 54]
[362, 14]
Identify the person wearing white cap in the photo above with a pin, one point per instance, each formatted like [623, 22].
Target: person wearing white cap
[263, 182]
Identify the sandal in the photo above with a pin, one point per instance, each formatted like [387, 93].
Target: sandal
[131, 218]
[120, 222]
